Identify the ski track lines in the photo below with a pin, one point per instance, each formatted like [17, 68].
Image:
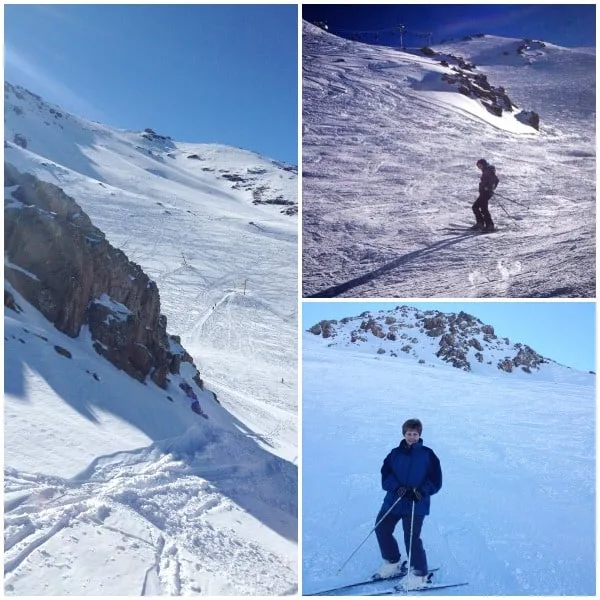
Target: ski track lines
[165, 499]
[379, 188]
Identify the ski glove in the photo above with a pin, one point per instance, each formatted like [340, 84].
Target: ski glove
[418, 494]
[401, 492]
[415, 494]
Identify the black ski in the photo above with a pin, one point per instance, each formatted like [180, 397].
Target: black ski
[350, 586]
[458, 231]
[466, 230]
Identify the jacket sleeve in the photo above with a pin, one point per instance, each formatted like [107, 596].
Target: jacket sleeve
[433, 483]
[388, 480]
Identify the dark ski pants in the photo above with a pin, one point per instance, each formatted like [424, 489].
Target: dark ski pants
[389, 546]
[482, 214]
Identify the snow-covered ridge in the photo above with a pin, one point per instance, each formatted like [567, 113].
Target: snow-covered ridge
[433, 338]
[73, 142]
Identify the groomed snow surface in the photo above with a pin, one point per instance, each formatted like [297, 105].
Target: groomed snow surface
[113, 487]
[389, 174]
[516, 513]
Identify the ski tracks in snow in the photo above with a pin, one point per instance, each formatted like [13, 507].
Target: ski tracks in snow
[385, 164]
[169, 528]
[195, 331]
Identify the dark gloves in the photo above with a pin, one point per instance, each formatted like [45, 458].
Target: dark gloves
[401, 491]
[414, 494]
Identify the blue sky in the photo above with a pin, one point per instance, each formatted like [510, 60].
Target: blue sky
[199, 73]
[562, 331]
[569, 25]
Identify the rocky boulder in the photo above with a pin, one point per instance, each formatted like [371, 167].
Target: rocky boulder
[434, 326]
[9, 302]
[324, 328]
[530, 118]
[528, 359]
[20, 140]
[455, 356]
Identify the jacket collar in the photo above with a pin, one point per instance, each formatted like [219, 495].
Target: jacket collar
[406, 448]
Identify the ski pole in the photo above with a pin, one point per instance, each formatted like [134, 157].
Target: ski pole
[369, 534]
[511, 200]
[412, 520]
[502, 207]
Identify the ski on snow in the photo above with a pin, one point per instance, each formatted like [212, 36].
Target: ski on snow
[398, 589]
[350, 586]
[458, 229]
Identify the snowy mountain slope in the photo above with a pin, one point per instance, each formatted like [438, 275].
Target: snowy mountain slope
[196, 233]
[389, 152]
[516, 512]
[97, 461]
[110, 488]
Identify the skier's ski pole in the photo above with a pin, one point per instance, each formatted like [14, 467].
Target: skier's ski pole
[412, 520]
[511, 200]
[502, 207]
[369, 534]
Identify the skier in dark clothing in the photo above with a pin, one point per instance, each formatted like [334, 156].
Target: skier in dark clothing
[488, 183]
[411, 473]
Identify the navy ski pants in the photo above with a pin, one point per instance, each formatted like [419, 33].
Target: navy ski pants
[481, 211]
[389, 546]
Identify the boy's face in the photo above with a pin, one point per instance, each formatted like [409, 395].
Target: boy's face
[411, 436]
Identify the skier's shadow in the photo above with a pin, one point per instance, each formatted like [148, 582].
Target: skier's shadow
[341, 288]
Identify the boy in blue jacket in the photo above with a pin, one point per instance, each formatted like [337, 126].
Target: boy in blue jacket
[410, 473]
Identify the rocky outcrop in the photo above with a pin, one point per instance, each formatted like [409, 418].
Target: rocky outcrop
[9, 302]
[494, 99]
[460, 340]
[530, 118]
[476, 85]
[528, 359]
[323, 328]
[374, 327]
[67, 269]
[20, 140]
[434, 326]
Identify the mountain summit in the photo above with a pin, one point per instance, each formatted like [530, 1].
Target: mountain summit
[434, 338]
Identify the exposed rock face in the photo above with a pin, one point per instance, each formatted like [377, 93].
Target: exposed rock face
[434, 326]
[528, 359]
[152, 136]
[476, 85]
[74, 277]
[9, 302]
[373, 326]
[495, 99]
[530, 118]
[20, 140]
[324, 328]
[460, 339]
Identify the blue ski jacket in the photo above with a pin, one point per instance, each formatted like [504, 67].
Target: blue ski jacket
[415, 466]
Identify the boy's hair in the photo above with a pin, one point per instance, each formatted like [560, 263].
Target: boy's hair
[413, 424]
